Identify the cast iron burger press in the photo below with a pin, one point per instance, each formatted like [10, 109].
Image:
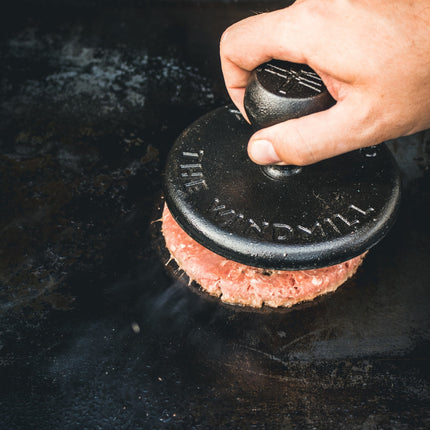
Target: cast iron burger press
[278, 217]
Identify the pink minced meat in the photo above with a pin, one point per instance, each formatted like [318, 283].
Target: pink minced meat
[240, 284]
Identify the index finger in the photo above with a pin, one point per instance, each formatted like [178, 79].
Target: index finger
[256, 40]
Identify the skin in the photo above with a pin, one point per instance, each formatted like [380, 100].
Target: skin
[373, 56]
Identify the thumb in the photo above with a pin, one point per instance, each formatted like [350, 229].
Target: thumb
[314, 137]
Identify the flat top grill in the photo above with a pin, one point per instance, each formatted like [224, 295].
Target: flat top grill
[94, 332]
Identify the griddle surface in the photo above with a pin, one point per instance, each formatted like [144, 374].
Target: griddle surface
[94, 332]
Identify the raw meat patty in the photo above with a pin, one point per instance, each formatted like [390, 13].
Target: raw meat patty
[240, 284]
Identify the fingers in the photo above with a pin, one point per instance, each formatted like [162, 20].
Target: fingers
[253, 41]
[354, 47]
[306, 33]
[314, 137]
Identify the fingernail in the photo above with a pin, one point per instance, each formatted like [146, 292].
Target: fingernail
[262, 152]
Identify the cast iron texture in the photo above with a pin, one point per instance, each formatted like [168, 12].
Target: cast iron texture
[279, 90]
[278, 217]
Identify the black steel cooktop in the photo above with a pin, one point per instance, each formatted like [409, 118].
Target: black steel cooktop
[94, 332]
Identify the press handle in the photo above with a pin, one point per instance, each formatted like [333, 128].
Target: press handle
[280, 90]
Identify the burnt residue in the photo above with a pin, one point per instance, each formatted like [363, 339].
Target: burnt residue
[63, 204]
[94, 333]
[83, 126]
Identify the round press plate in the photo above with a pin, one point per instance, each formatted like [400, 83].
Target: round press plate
[327, 213]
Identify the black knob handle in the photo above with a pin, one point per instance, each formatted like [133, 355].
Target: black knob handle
[279, 90]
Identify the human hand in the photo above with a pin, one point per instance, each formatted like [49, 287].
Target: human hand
[373, 56]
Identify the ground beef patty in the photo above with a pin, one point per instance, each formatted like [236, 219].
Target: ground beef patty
[240, 284]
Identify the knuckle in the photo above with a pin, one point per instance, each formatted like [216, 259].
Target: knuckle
[223, 40]
[226, 41]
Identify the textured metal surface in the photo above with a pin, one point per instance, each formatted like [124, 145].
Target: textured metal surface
[93, 331]
[325, 214]
[279, 90]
